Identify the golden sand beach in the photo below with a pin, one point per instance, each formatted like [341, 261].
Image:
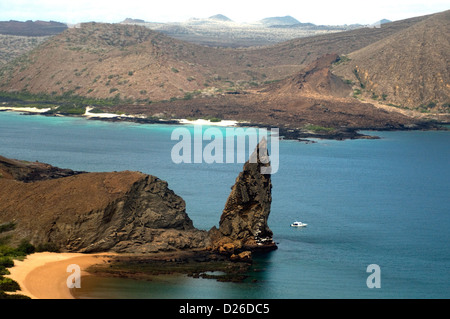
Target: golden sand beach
[44, 275]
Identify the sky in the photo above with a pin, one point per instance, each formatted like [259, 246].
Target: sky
[329, 12]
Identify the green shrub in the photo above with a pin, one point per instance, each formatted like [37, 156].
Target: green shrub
[7, 254]
[7, 284]
[356, 92]
[6, 250]
[14, 296]
[188, 96]
[26, 248]
[6, 262]
[318, 128]
[47, 247]
[96, 110]
[341, 59]
[4, 271]
[361, 84]
[66, 101]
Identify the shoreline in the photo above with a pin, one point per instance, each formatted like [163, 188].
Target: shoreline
[111, 117]
[44, 275]
[33, 110]
[287, 133]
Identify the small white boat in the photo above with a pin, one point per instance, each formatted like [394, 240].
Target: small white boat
[298, 224]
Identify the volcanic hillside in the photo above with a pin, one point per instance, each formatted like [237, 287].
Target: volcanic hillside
[316, 98]
[31, 28]
[410, 68]
[133, 62]
[312, 102]
[315, 80]
[103, 60]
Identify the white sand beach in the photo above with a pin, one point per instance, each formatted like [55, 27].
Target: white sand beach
[208, 122]
[99, 115]
[91, 115]
[24, 109]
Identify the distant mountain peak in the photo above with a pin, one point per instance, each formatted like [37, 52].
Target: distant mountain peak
[31, 28]
[382, 21]
[286, 20]
[220, 17]
[132, 21]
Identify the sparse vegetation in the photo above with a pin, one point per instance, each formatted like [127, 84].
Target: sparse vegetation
[96, 110]
[170, 69]
[7, 284]
[356, 73]
[318, 129]
[188, 96]
[7, 254]
[58, 103]
[342, 59]
[68, 110]
[356, 93]
[426, 108]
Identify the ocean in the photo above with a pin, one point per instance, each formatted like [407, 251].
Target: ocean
[382, 202]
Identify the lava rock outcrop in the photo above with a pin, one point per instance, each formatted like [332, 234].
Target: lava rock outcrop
[92, 212]
[244, 222]
[130, 212]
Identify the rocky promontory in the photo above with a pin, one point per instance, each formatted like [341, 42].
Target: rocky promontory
[95, 212]
[243, 226]
[129, 212]
[31, 171]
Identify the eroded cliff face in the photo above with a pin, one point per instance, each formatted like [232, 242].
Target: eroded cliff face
[92, 212]
[130, 212]
[244, 221]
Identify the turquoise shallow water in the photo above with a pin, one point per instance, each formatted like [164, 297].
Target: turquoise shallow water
[381, 202]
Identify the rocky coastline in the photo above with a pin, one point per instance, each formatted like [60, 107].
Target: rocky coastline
[286, 132]
[135, 216]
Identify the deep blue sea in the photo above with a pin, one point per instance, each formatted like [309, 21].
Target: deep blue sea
[383, 202]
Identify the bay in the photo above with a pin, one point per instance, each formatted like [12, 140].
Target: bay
[381, 202]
